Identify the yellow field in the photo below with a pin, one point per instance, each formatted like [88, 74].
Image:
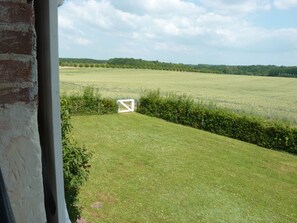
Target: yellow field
[273, 97]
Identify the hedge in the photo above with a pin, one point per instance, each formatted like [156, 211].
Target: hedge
[75, 157]
[76, 163]
[253, 129]
[90, 102]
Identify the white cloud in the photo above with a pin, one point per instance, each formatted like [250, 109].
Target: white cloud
[171, 47]
[285, 4]
[178, 19]
[170, 7]
[156, 6]
[147, 27]
[237, 7]
[91, 12]
[65, 23]
[81, 41]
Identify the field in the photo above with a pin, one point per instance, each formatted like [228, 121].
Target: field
[272, 97]
[148, 170]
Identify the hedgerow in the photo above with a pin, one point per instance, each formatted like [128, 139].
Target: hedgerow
[90, 102]
[76, 164]
[184, 110]
[76, 158]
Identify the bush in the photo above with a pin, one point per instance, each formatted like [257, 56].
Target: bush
[75, 157]
[183, 110]
[90, 102]
[75, 164]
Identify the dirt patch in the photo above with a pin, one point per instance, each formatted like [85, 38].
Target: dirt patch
[81, 220]
[97, 205]
[106, 198]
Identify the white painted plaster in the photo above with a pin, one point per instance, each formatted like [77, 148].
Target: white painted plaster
[20, 161]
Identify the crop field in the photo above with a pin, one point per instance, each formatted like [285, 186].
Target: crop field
[146, 170]
[273, 97]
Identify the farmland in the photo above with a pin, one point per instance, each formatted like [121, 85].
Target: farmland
[273, 97]
[147, 170]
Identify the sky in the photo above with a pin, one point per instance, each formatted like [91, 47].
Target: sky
[231, 32]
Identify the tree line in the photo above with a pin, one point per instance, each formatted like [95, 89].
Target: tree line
[255, 70]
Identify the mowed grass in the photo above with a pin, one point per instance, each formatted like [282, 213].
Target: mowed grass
[148, 170]
[268, 96]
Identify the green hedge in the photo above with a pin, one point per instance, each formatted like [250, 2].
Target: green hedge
[90, 102]
[76, 164]
[76, 158]
[183, 110]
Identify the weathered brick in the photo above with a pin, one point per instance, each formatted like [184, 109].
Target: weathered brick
[15, 71]
[16, 12]
[16, 42]
[13, 95]
[17, 1]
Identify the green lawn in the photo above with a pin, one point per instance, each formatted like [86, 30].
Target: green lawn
[148, 170]
[269, 96]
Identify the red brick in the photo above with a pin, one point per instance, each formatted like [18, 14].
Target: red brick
[16, 42]
[15, 71]
[13, 95]
[16, 12]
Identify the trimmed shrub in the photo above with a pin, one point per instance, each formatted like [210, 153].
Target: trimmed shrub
[183, 110]
[90, 102]
[75, 157]
[75, 164]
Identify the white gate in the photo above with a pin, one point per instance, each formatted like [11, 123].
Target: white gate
[126, 105]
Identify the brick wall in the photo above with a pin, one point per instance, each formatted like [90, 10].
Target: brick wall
[20, 152]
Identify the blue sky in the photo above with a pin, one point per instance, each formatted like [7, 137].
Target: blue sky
[230, 32]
